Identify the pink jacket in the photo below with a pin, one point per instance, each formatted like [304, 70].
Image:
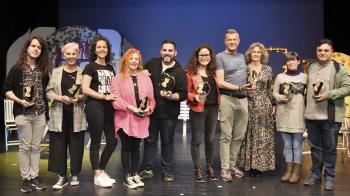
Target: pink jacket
[123, 117]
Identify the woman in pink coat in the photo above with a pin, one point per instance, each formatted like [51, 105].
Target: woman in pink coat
[132, 112]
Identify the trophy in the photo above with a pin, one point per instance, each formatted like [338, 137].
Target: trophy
[143, 105]
[285, 89]
[167, 83]
[203, 90]
[72, 91]
[28, 93]
[252, 77]
[317, 87]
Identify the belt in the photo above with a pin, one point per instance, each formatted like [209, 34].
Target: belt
[234, 95]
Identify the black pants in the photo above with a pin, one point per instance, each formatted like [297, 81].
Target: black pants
[130, 152]
[99, 115]
[203, 123]
[61, 141]
[166, 128]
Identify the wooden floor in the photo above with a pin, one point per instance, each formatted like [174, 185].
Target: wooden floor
[184, 183]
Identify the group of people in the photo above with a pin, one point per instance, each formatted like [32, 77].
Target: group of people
[142, 101]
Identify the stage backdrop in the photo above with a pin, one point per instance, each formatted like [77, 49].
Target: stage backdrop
[295, 25]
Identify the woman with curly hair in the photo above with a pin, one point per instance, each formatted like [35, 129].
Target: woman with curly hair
[203, 100]
[97, 77]
[25, 84]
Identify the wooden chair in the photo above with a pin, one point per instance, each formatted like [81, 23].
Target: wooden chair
[10, 124]
[184, 116]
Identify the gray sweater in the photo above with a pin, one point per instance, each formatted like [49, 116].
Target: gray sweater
[290, 115]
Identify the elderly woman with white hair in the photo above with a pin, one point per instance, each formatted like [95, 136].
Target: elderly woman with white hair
[67, 118]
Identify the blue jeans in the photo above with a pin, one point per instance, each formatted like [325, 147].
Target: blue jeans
[166, 128]
[323, 136]
[293, 147]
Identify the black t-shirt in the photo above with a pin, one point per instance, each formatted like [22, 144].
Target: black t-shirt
[68, 79]
[101, 77]
[211, 98]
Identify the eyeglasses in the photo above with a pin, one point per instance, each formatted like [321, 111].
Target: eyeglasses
[204, 55]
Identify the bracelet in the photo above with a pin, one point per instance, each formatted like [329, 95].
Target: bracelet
[239, 88]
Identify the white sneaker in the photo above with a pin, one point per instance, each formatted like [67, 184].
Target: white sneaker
[137, 180]
[62, 181]
[101, 181]
[129, 182]
[108, 178]
[74, 181]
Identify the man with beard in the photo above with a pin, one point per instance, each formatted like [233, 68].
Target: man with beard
[170, 88]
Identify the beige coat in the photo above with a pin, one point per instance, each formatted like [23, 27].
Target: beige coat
[56, 112]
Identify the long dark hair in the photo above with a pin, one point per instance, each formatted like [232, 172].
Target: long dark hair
[93, 56]
[42, 61]
[192, 66]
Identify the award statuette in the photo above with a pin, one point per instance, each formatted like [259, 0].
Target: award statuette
[252, 77]
[285, 89]
[73, 91]
[317, 87]
[143, 105]
[203, 90]
[28, 93]
[167, 83]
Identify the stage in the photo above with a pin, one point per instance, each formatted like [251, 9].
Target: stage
[184, 184]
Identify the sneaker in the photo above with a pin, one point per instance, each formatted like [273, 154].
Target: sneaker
[74, 181]
[198, 176]
[211, 173]
[329, 185]
[62, 181]
[146, 173]
[38, 184]
[311, 181]
[101, 181]
[137, 180]
[108, 178]
[226, 175]
[26, 186]
[129, 182]
[237, 172]
[168, 176]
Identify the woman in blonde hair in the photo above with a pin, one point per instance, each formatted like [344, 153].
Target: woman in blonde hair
[67, 117]
[132, 112]
[258, 149]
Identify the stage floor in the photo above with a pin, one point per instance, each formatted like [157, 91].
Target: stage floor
[184, 184]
